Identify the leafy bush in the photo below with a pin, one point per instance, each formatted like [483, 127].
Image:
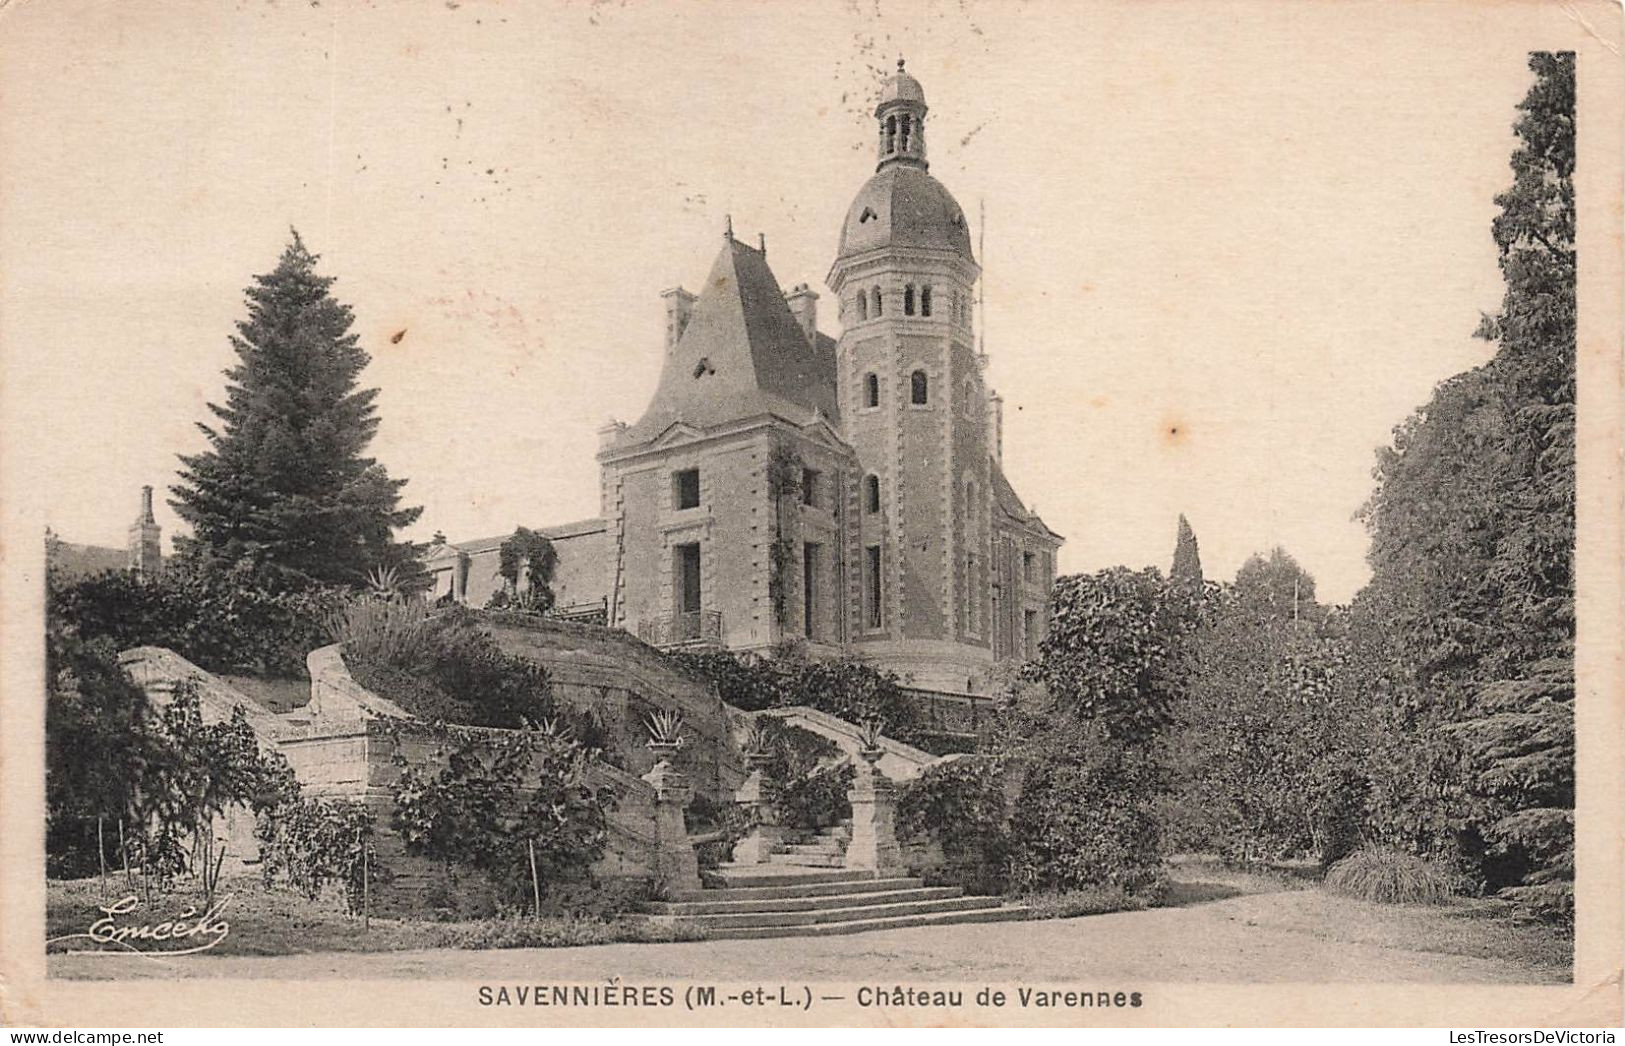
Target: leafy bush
[449, 669]
[806, 782]
[843, 687]
[962, 805]
[1093, 900]
[565, 932]
[1114, 649]
[99, 736]
[1391, 877]
[514, 805]
[1086, 819]
[730, 821]
[388, 631]
[224, 618]
[309, 843]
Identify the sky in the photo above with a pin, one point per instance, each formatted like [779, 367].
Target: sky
[1227, 247]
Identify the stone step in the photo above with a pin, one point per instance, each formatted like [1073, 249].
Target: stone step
[764, 875]
[849, 913]
[992, 913]
[799, 886]
[829, 846]
[808, 860]
[813, 902]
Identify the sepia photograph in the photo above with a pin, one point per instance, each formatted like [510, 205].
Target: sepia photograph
[853, 513]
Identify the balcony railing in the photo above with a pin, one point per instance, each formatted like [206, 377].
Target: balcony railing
[694, 628]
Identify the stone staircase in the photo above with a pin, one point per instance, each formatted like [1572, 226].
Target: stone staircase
[825, 848]
[779, 900]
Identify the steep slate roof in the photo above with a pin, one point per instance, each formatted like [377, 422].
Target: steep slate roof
[1004, 495]
[742, 354]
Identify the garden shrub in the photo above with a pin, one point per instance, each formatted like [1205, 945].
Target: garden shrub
[846, 688]
[1089, 900]
[310, 843]
[448, 668]
[806, 781]
[513, 805]
[1388, 876]
[961, 805]
[230, 619]
[1086, 819]
[706, 815]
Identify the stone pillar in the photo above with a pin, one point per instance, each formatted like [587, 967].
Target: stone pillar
[676, 866]
[874, 819]
[766, 836]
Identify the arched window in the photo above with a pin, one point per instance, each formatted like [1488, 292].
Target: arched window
[871, 493]
[863, 306]
[891, 134]
[879, 307]
[908, 300]
[905, 133]
[925, 300]
[918, 388]
[871, 390]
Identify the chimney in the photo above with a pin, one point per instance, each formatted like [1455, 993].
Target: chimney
[146, 550]
[679, 306]
[803, 302]
[995, 425]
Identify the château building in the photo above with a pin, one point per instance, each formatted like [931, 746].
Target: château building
[785, 486]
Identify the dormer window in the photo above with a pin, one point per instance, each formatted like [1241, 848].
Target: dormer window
[703, 367]
[919, 389]
[868, 215]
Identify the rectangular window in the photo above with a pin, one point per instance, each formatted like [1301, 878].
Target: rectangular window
[1029, 563]
[685, 568]
[972, 596]
[809, 487]
[685, 488]
[872, 592]
[1029, 632]
[809, 589]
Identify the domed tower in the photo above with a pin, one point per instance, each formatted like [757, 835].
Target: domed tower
[914, 410]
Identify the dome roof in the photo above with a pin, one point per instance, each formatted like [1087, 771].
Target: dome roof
[902, 88]
[903, 206]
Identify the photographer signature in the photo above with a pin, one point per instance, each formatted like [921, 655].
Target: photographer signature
[209, 926]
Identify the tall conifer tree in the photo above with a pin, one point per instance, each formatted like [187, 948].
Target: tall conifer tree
[284, 484]
[1187, 566]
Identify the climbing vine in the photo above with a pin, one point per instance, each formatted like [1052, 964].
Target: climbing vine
[784, 468]
[514, 805]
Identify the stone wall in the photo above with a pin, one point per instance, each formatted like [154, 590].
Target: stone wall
[624, 680]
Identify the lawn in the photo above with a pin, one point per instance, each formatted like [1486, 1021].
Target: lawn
[284, 922]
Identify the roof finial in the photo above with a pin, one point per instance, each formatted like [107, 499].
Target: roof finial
[761, 242]
[899, 63]
[728, 227]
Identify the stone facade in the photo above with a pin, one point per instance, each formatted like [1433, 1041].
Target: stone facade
[845, 494]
